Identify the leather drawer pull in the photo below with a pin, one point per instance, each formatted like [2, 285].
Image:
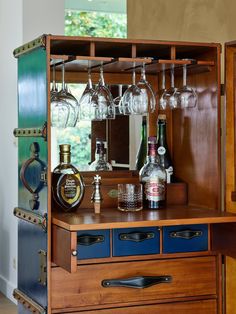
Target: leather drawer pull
[136, 282]
[88, 239]
[136, 236]
[186, 234]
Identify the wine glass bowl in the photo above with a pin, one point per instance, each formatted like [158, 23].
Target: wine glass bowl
[86, 113]
[187, 96]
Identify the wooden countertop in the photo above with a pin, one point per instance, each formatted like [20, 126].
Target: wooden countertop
[86, 219]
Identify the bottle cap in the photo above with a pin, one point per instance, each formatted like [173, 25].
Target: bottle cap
[161, 117]
[65, 148]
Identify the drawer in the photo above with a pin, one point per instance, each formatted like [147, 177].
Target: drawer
[116, 284]
[136, 241]
[93, 244]
[188, 238]
[197, 307]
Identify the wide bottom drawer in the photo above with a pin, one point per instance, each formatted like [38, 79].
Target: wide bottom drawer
[198, 307]
[117, 284]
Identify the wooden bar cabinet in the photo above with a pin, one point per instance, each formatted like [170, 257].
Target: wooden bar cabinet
[155, 261]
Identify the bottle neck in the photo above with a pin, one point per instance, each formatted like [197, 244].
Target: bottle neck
[152, 153]
[144, 130]
[65, 158]
[162, 133]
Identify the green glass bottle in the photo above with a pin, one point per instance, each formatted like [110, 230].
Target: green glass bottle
[142, 151]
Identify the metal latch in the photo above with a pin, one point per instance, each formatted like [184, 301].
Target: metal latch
[43, 267]
[31, 217]
[28, 303]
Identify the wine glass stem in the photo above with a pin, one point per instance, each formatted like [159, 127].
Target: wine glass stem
[172, 76]
[101, 76]
[185, 75]
[163, 77]
[133, 77]
[63, 75]
[143, 75]
[90, 84]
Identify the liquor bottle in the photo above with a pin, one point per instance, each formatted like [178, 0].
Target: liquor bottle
[162, 148]
[153, 177]
[142, 151]
[67, 183]
[100, 163]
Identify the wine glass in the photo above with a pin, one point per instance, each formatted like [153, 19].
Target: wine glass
[188, 97]
[118, 100]
[147, 101]
[102, 103]
[163, 101]
[131, 95]
[71, 101]
[172, 94]
[85, 100]
[54, 89]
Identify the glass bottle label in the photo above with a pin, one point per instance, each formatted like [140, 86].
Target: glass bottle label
[155, 190]
[69, 188]
[161, 150]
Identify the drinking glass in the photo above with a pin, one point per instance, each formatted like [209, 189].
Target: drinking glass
[163, 101]
[130, 197]
[118, 100]
[147, 101]
[172, 94]
[71, 101]
[188, 97]
[54, 89]
[131, 95]
[102, 103]
[85, 100]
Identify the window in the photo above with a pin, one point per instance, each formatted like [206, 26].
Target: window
[94, 18]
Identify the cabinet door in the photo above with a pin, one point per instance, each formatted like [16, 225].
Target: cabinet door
[32, 159]
[120, 283]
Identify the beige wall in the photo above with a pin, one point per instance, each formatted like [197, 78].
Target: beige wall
[188, 20]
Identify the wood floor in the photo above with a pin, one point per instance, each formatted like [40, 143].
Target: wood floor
[6, 306]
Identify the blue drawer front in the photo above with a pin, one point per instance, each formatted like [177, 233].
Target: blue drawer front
[136, 241]
[188, 238]
[93, 244]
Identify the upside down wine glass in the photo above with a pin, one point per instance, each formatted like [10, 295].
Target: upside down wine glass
[85, 101]
[102, 103]
[173, 93]
[188, 97]
[163, 91]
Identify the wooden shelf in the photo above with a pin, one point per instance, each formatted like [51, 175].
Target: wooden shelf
[113, 218]
[118, 65]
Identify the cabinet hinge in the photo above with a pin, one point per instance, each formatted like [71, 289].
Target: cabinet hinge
[43, 267]
[36, 219]
[31, 132]
[28, 303]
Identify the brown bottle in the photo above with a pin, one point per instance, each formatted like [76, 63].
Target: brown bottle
[67, 183]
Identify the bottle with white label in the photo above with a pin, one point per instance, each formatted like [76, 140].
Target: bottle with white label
[153, 177]
[162, 148]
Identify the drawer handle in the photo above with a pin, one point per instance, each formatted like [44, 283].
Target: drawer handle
[186, 234]
[136, 282]
[136, 236]
[88, 239]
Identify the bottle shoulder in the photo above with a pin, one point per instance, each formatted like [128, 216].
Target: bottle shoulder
[65, 169]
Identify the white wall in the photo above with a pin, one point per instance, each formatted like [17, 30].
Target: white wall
[20, 21]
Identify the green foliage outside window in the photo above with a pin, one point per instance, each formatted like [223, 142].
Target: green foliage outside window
[95, 24]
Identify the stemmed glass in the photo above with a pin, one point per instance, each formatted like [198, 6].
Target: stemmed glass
[163, 91]
[173, 93]
[85, 100]
[102, 103]
[188, 97]
[118, 100]
[60, 110]
[131, 95]
[71, 101]
[148, 99]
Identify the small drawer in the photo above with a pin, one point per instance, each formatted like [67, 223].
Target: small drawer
[93, 244]
[187, 238]
[136, 241]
